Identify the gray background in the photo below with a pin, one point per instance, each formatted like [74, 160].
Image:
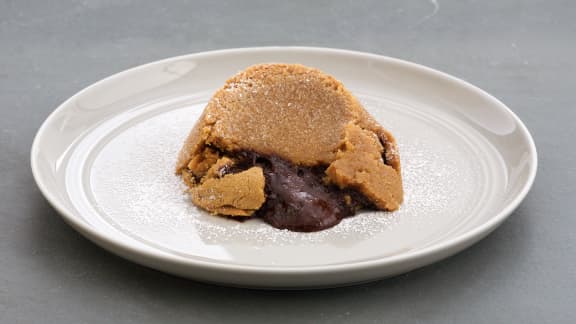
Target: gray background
[523, 52]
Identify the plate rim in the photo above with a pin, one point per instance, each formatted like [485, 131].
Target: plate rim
[462, 240]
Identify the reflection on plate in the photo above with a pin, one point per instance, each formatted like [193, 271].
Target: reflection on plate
[105, 159]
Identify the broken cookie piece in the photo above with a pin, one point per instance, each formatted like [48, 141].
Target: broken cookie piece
[238, 194]
[287, 143]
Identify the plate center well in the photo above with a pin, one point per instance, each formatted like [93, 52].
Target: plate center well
[126, 178]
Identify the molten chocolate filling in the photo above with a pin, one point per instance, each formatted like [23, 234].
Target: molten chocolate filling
[297, 198]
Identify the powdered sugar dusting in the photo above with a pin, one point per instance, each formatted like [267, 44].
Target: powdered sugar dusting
[134, 185]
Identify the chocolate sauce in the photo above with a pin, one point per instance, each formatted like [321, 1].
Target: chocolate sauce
[297, 198]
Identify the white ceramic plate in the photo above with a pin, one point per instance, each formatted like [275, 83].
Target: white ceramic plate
[105, 159]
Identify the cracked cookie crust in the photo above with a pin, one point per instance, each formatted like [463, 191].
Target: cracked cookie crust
[291, 145]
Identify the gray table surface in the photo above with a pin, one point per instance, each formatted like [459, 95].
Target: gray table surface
[523, 52]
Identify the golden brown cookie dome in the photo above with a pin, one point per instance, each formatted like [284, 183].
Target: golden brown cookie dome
[300, 116]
